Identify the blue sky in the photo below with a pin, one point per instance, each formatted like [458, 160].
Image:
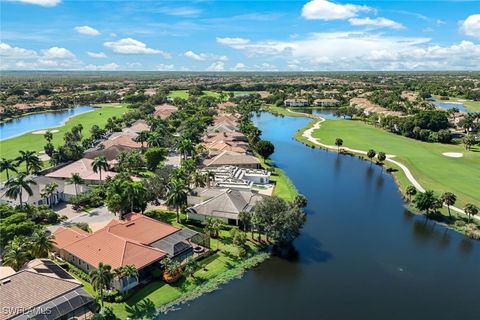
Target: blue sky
[265, 35]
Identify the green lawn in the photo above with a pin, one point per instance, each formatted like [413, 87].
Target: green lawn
[284, 187]
[212, 269]
[425, 160]
[9, 148]
[184, 94]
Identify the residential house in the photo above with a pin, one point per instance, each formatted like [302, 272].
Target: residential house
[326, 102]
[296, 103]
[164, 111]
[83, 167]
[136, 240]
[235, 177]
[228, 158]
[65, 190]
[223, 203]
[41, 292]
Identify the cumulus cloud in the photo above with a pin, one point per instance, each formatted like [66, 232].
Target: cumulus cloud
[377, 23]
[86, 30]
[239, 67]
[43, 3]
[471, 26]
[106, 67]
[57, 53]
[217, 66]
[165, 67]
[326, 10]
[132, 46]
[332, 51]
[204, 56]
[232, 42]
[9, 52]
[96, 55]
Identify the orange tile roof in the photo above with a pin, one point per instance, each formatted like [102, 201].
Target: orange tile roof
[140, 228]
[164, 111]
[83, 167]
[65, 236]
[125, 140]
[104, 246]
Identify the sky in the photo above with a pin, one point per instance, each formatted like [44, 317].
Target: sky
[203, 35]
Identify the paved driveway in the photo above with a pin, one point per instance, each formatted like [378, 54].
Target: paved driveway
[96, 219]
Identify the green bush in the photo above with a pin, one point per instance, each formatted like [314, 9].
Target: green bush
[119, 298]
[111, 295]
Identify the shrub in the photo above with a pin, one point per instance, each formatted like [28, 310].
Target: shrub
[111, 295]
[119, 298]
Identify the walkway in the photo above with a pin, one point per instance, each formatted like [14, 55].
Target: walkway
[308, 135]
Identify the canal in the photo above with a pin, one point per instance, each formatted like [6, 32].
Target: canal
[361, 255]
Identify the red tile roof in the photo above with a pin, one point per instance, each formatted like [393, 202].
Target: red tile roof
[83, 167]
[65, 236]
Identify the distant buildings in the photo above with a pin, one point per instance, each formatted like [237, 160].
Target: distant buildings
[326, 102]
[296, 103]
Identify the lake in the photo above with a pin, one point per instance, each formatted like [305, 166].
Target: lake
[360, 255]
[38, 121]
[451, 105]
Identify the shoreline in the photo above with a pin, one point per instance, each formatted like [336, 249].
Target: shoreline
[313, 142]
[57, 126]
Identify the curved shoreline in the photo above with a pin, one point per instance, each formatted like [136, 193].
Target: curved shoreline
[57, 126]
[307, 133]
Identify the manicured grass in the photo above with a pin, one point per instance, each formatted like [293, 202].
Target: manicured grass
[284, 111]
[211, 268]
[9, 148]
[184, 94]
[425, 160]
[284, 187]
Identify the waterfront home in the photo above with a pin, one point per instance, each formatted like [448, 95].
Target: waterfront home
[369, 107]
[225, 136]
[136, 240]
[326, 102]
[228, 158]
[253, 176]
[295, 103]
[137, 126]
[222, 145]
[164, 111]
[223, 127]
[222, 203]
[65, 190]
[83, 167]
[38, 292]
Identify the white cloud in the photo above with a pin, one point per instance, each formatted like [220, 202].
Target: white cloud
[9, 52]
[133, 65]
[266, 67]
[132, 46]
[327, 51]
[96, 55]
[43, 3]
[86, 30]
[232, 42]
[217, 66]
[239, 67]
[179, 11]
[377, 22]
[57, 53]
[165, 67]
[326, 10]
[471, 26]
[204, 56]
[106, 67]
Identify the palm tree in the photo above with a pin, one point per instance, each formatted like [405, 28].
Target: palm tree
[135, 192]
[41, 244]
[338, 143]
[198, 179]
[177, 195]
[101, 278]
[185, 147]
[49, 191]
[15, 254]
[470, 210]
[76, 180]
[32, 161]
[15, 187]
[381, 157]
[7, 164]
[213, 226]
[142, 137]
[411, 191]
[210, 178]
[100, 163]
[190, 267]
[449, 199]
[371, 154]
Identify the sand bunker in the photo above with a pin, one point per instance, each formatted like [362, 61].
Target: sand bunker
[44, 131]
[453, 154]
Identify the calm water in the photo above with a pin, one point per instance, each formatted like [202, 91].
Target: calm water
[37, 121]
[360, 254]
[450, 105]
